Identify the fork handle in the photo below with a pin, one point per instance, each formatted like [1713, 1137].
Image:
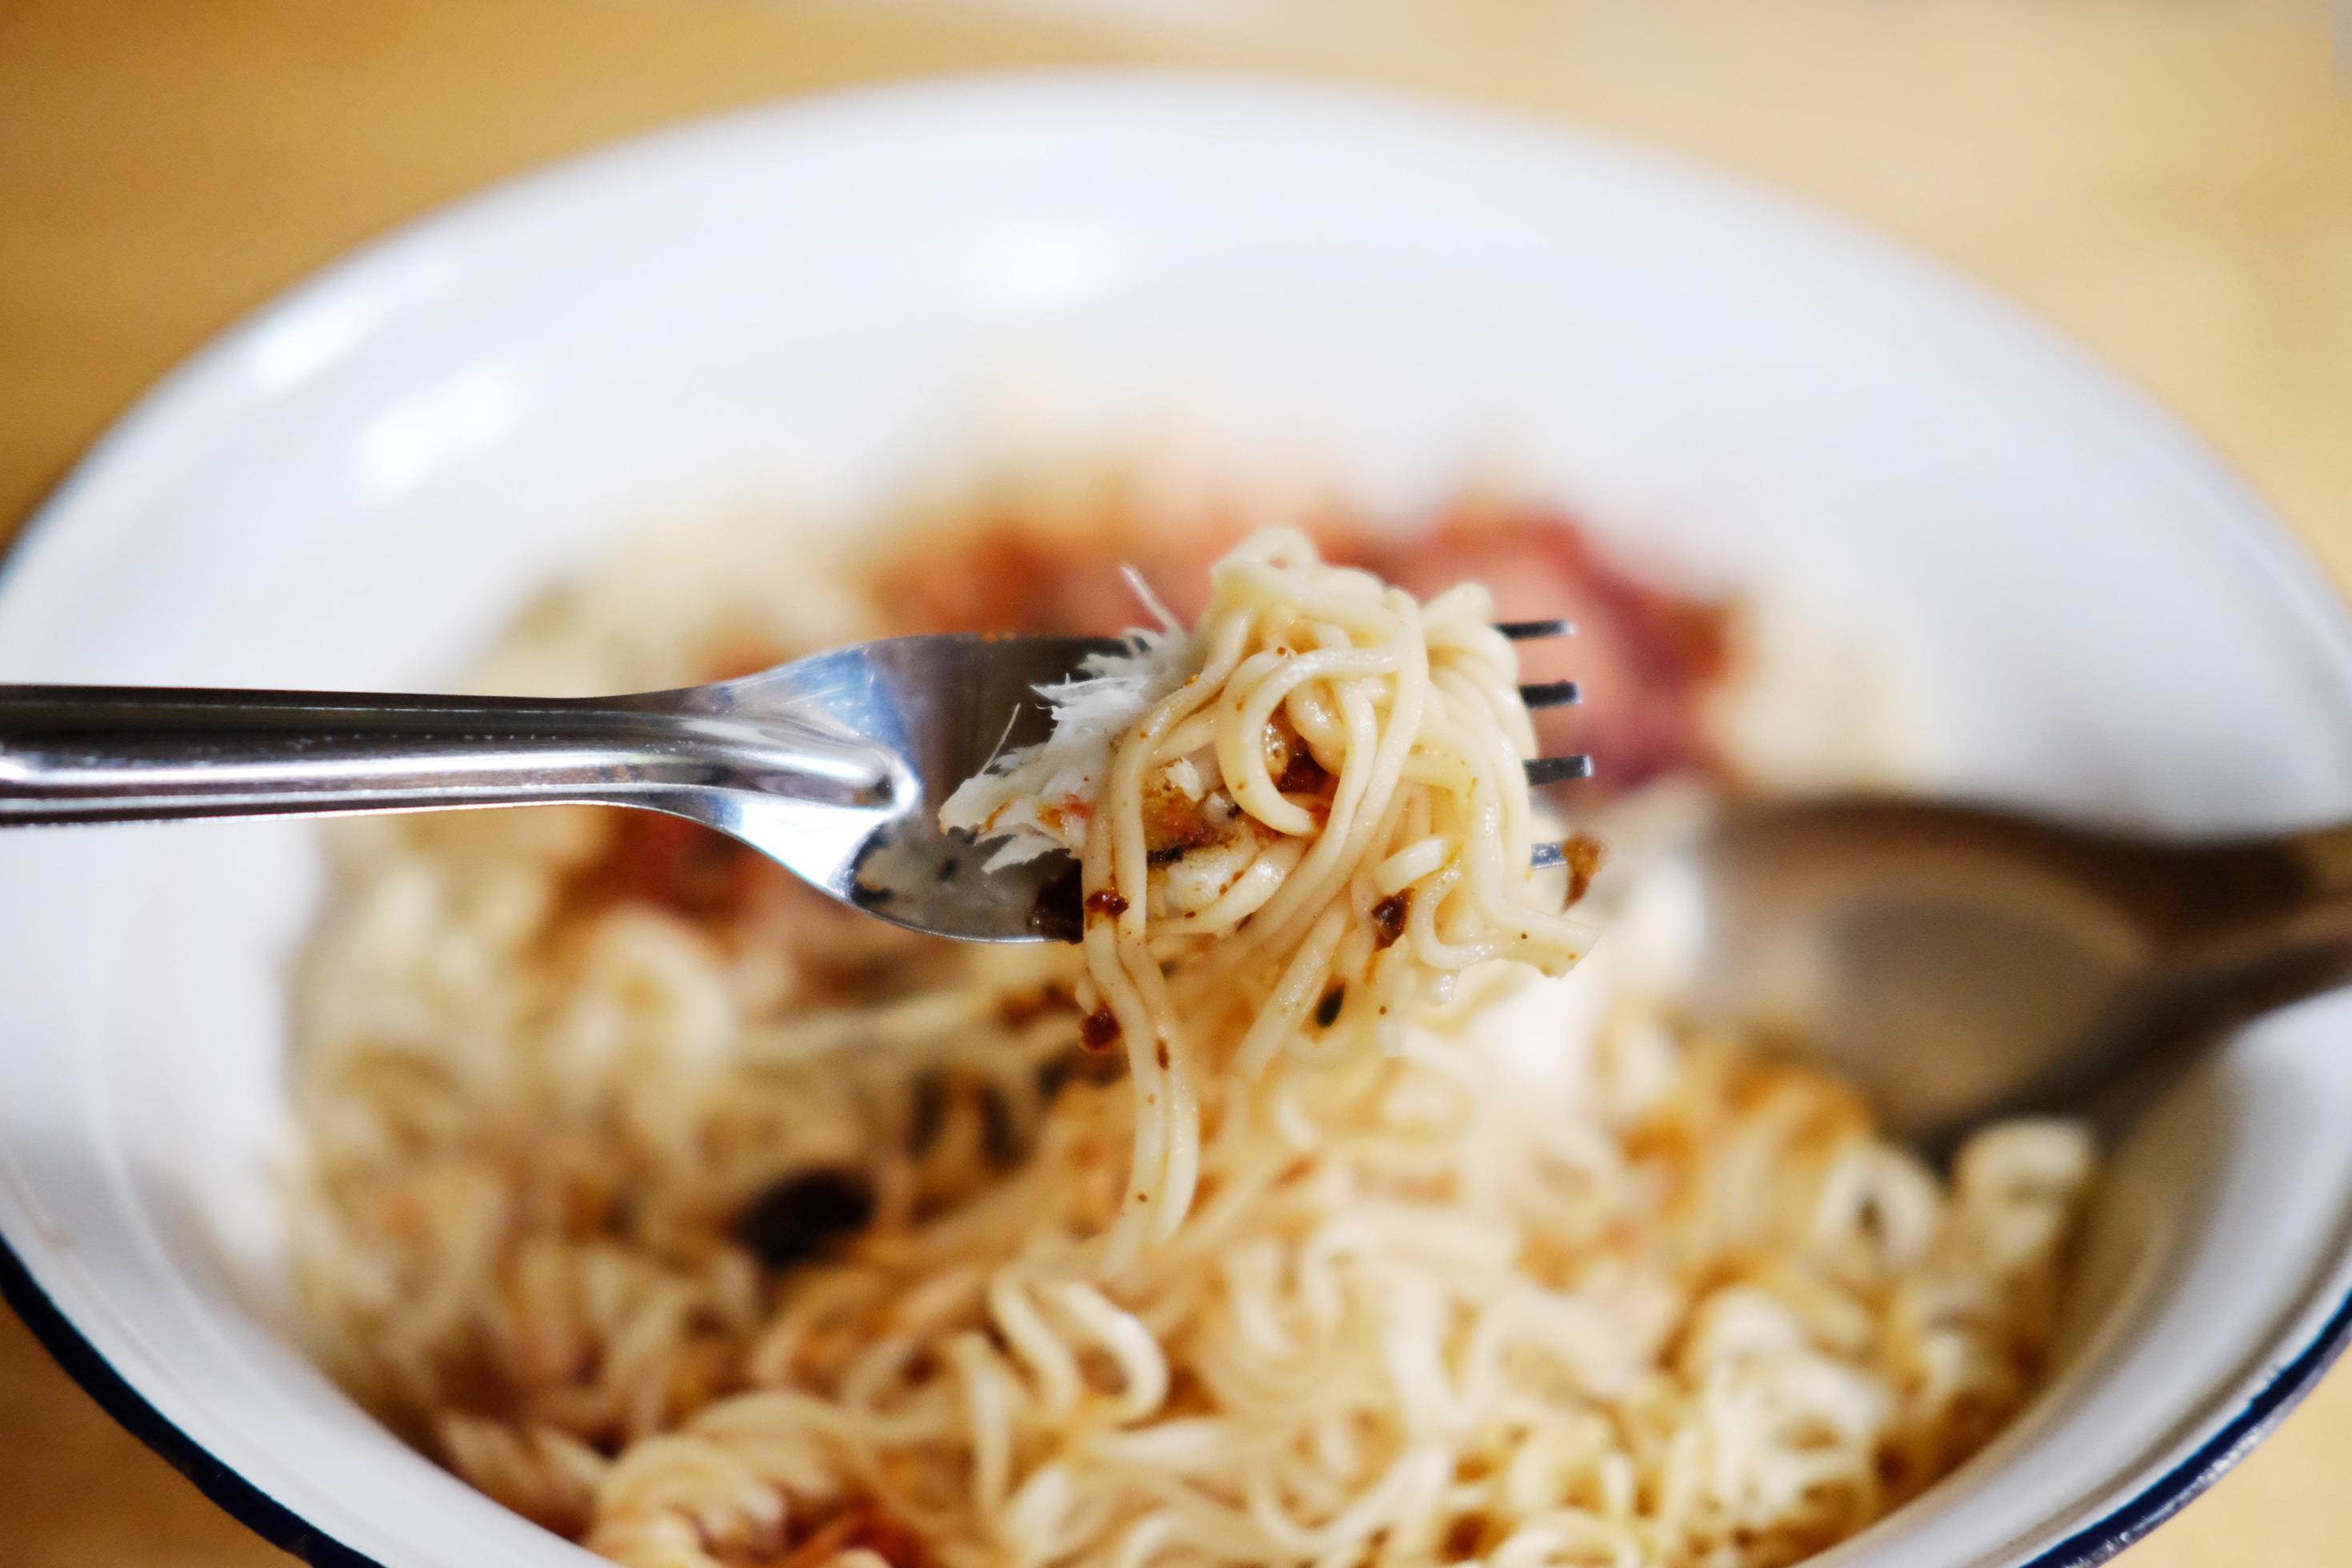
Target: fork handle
[94, 753]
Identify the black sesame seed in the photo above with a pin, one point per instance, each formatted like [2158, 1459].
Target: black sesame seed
[801, 1215]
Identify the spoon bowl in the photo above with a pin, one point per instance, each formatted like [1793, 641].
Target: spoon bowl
[1960, 962]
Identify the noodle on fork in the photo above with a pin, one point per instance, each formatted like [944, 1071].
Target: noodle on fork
[1347, 762]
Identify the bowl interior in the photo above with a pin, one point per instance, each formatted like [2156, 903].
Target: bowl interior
[793, 308]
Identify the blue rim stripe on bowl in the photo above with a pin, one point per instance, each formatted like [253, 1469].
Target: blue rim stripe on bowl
[214, 1477]
[2168, 1493]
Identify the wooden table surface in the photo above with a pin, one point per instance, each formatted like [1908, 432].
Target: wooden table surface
[2169, 181]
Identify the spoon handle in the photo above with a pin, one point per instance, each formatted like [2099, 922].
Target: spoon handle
[2272, 916]
[2323, 860]
[87, 754]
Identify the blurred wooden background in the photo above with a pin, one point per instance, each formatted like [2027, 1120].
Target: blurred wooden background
[2169, 181]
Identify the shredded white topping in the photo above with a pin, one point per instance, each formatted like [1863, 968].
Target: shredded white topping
[1036, 798]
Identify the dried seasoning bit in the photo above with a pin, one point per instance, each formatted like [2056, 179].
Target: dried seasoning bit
[1293, 766]
[1301, 775]
[1465, 1538]
[1326, 1011]
[1167, 854]
[1101, 1031]
[1105, 901]
[1174, 822]
[1055, 915]
[1582, 855]
[1388, 917]
[803, 1216]
[1078, 1066]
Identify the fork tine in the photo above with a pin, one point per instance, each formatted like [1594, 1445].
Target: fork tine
[1550, 694]
[1548, 855]
[1557, 770]
[1520, 631]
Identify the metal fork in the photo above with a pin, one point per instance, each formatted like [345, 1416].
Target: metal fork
[835, 766]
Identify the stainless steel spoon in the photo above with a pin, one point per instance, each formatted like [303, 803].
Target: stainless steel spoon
[835, 765]
[1958, 962]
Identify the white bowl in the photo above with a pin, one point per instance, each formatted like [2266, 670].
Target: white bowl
[352, 488]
